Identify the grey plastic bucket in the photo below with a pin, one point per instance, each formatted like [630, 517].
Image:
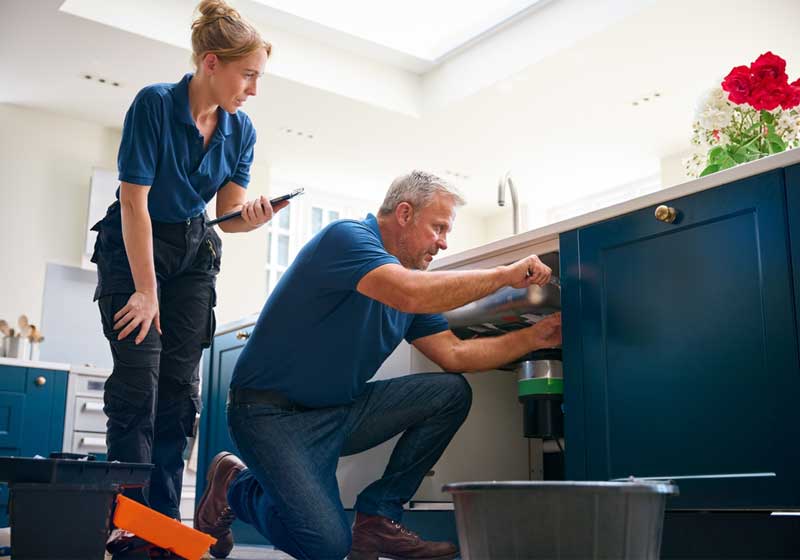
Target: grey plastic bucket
[560, 520]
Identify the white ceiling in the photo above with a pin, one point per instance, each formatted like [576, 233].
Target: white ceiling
[564, 124]
[419, 28]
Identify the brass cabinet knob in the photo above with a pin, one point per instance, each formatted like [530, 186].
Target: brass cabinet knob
[242, 335]
[40, 381]
[666, 214]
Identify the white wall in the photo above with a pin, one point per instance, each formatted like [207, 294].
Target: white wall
[241, 284]
[46, 162]
[672, 170]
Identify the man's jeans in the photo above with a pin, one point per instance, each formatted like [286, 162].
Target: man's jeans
[290, 493]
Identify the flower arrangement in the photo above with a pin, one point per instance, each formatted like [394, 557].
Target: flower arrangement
[753, 113]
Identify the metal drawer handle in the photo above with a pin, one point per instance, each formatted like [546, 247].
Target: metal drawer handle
[242, 335]
[93, 442]
[92, 407]
[666, 214]
[40, 381]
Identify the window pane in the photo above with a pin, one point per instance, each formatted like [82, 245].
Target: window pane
[283, 218]
[283, 250]
[333, 215]
[269, 247]
[278, 277]
[316, 220]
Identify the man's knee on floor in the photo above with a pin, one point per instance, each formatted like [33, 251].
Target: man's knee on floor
[331, 545]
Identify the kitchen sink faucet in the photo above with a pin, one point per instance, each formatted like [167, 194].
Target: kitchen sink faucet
[501, 197]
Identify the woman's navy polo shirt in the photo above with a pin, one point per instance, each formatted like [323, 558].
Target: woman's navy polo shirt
[162, 148]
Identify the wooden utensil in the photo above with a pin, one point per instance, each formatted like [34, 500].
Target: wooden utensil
[24, 326]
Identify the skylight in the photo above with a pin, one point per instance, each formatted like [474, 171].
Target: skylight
[426, 29]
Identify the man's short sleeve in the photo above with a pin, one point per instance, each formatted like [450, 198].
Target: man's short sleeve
[346, 253]
[425, 325]
[137, 159]
[241, 175]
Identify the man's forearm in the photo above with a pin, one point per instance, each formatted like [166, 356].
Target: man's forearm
[436, 292]
[482, 354]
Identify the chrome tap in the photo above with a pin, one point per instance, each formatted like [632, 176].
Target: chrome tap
[501, 197]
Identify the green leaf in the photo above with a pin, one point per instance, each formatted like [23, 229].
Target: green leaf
[742, 156]
[767, 117]
[726, 160]
[709, 170]
[715, 153]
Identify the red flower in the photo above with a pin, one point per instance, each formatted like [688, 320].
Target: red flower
[792, 98]
[769, 67]
[768, 94]
[738, 84]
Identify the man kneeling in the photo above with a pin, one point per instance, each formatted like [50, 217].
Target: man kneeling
[300, 396]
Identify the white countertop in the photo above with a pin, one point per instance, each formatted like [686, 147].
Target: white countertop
[246, 321]
[546, 237]
[87, 370]
[33, 364]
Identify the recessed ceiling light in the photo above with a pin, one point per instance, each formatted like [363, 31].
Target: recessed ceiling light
[647, 98]
[295, 132]
[101, 80]
[456, 174]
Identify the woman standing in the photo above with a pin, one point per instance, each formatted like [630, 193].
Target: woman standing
[182, 144]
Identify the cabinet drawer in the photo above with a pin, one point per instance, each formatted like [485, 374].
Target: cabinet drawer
[87, 442]
[89, 415]
[89, 385]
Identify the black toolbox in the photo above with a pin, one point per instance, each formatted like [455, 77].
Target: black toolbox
[60, 508]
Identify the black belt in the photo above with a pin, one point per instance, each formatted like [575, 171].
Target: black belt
[244, 395]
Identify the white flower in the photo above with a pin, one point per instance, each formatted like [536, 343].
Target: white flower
[695, 163]
[715, 119]
[714, 111]
[788, 126]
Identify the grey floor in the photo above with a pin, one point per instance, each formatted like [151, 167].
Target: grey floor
[257, 553]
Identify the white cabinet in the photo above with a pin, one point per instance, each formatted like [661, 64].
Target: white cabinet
[489, 446]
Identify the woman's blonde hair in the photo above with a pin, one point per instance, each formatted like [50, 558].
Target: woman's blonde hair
[220, 30]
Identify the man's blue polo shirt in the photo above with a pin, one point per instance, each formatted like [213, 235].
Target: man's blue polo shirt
[162, 148]
[317, 340]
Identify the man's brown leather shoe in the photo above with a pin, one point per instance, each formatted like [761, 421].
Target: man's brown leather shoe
[213, 515]
[376, 536]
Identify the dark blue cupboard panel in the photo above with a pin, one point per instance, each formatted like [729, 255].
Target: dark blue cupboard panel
[793, 212]
[688, 347]
[218, 363]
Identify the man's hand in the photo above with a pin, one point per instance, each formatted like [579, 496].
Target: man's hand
[548, 331]
[527, 271]
[141, 309]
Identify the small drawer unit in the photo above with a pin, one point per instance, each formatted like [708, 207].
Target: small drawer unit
[85, 421]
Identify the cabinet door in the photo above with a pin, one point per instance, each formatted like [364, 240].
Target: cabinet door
[688, 348]
[793, 211]
[218, 363]
[32, 405]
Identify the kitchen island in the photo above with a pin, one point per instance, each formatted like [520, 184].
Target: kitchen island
[680, 359]
[680, 312]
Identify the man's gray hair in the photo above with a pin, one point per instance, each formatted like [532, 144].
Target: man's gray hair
[418, 189]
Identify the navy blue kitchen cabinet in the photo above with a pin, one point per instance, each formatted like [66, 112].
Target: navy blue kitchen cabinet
[793, 212]
[218, 363]
[32, 407]
[681, 346]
